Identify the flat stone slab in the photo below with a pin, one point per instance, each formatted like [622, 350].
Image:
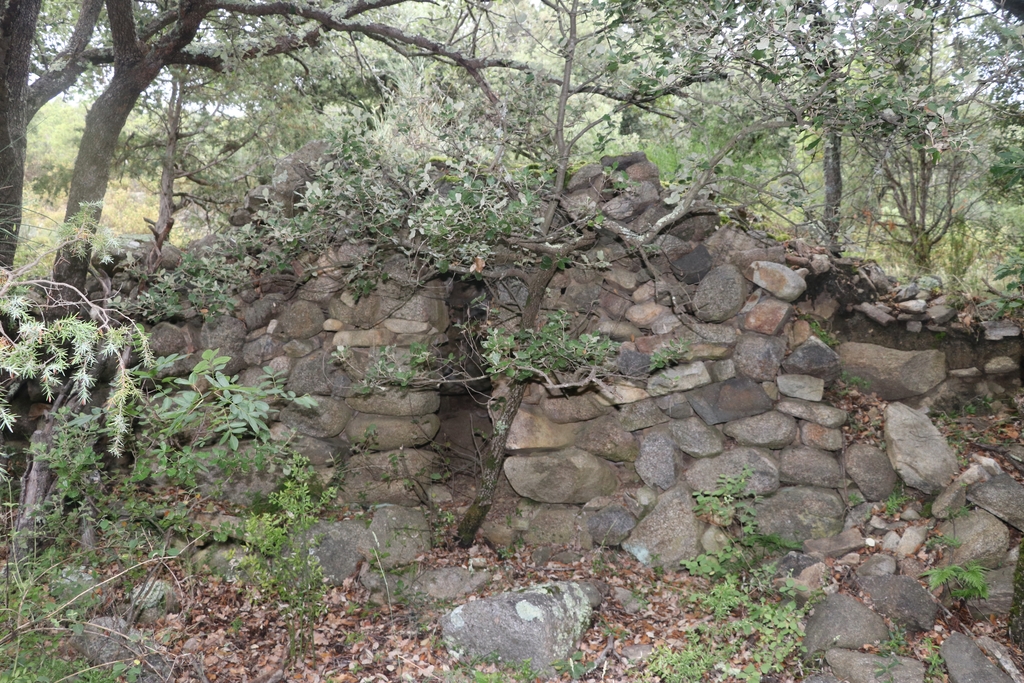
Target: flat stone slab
[858, 667]
[966, 663]
[893, 374]
[917, 450]
[1002, 496]
[843, 621]
[729, 400]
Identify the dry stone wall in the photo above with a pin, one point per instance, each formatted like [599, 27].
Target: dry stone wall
[619, 464]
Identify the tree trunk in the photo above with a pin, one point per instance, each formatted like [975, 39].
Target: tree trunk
[36, 485]
[103, 126]
[494, 456]
[17, 32]
[833, 171]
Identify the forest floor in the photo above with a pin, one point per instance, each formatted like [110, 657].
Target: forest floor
[226, 633]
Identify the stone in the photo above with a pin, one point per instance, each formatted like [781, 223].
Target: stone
[1000, 594]
[835, 546]
[1000, 365]
[913, 306]
[842, 621]
[611, 525]
[966, 663]
[692, 267]
[642, 315]
[777, 279]
[875, 313]
[316, 374]
[227, 335]
[818, 413]
[816, 436]
[590, 176]
[878, 564]
[858, 667]
[721, 294]
[695, 438]
[300, 320]
[261, 311]
[809, 467]
[569, 409]
[892, 374]
[815, 358]
[911, 541]
[940, 315]
[714, 540]
[1002, 496]
[385, 433]
[641, 415]
[166, 339]
[606, 438]
[328, 418]
[154, 599]
[533, 431]
[104, 640]
[340, 546]
[552, 525]
[768, 316]
[389, 477]
[632, 363]
[396, 402]
[758, 357]
[722, 370]
[669, 534]
[262, 349]
[656, 464]
[620, 394]
[769, 430]
[400, 535]
[902, 599]
[675, 406]
[996, 330]
[797, 513]
[729, 400]
[917, 450]
[570, 476]
[950, 500]
[870, 470]
[803, 387]
[706, 474]
[982, 538]
[540, 625]
[326, 452]
[678, 378]
[378, 336]
[746, 258]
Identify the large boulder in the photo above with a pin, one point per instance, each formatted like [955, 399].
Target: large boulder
[892, 374]
[707, 474]
[902, 599]
[842, 621]
[540, 625]
[758, 357]
[695, 438]
[340, 547]
[729, 400]
[917, 450]
[531, 431]
[399, 534]
[227, 336]
[385, 433]
[982, 538]
[570, 476]
[721, 294]
[606, 438]
[859, 667]
[810, 467]
[397, 477]
[870, 470]
[768, 430]
[814, 358]
[966, 663]
[669, 534]
[1002, 496]
[797, 513]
